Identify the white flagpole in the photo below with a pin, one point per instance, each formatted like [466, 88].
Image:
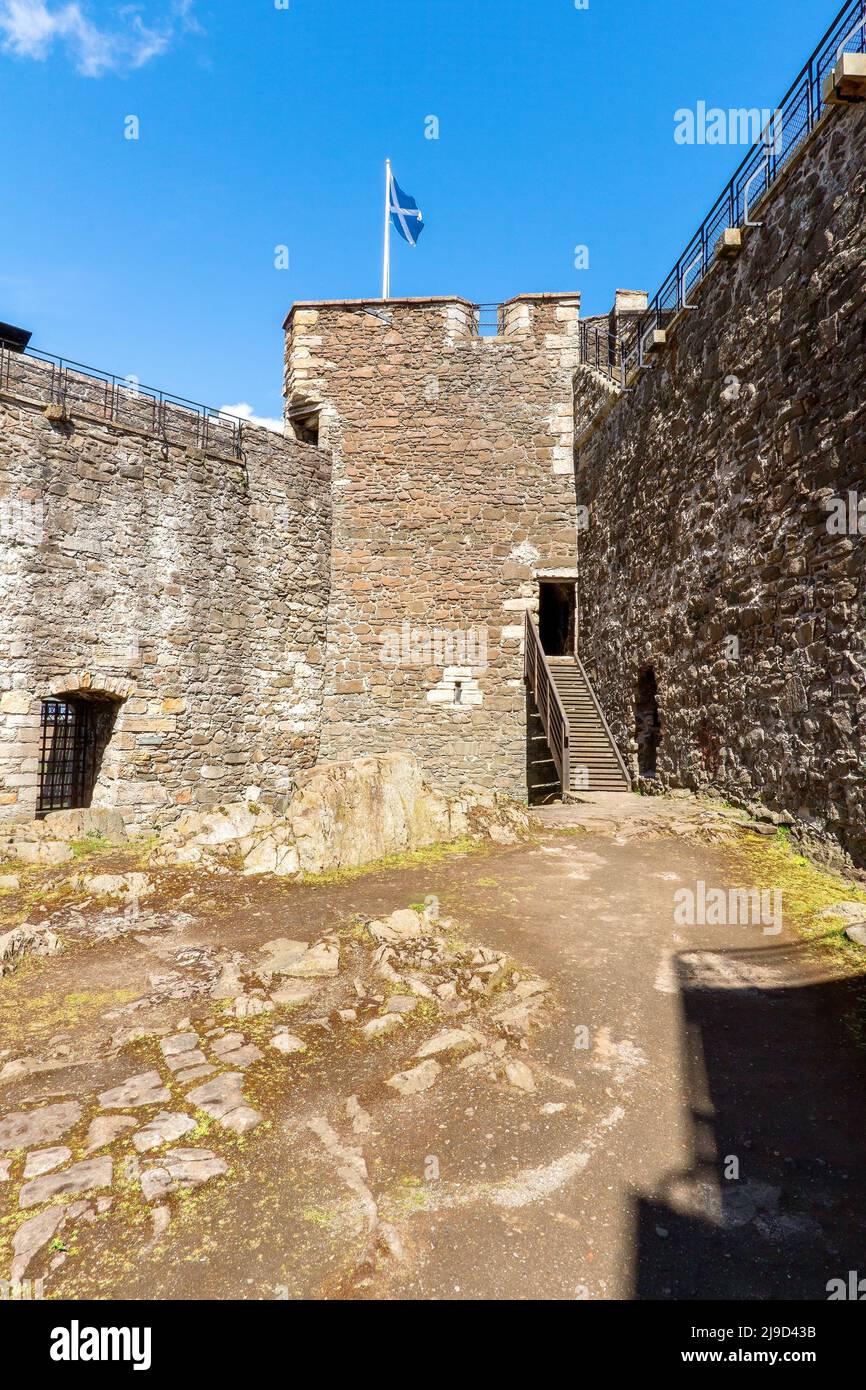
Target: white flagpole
[386, 267]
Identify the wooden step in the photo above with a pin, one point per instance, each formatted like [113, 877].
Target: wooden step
[590, 745]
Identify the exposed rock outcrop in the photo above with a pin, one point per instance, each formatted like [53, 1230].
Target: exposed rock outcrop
[344, 815]
[49, 841]
[25, 940]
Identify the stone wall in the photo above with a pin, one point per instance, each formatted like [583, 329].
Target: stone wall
[186, 584]
[708, 555]
[249, 614]
[453, 490]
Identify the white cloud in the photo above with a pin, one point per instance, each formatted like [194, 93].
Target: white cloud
[246, 413]
[32, 28]
[183, 9]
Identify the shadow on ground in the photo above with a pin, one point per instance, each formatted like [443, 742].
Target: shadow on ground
[774, 1203]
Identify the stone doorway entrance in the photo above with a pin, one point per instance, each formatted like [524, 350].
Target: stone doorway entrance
[74, 736]
[556, 616]
[648, 730]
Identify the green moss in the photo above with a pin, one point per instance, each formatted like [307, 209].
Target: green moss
[144, 847]
[410, 1194]
[356, 932]
[807, 891]
[46, 1013]
[426, 1012]
[417, 858]
[94, 842]
[13, 866]
[320, 1216]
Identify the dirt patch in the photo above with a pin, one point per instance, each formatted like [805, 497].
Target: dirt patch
[529, 1154]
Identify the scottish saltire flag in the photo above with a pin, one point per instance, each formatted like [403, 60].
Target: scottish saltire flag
[405, 213]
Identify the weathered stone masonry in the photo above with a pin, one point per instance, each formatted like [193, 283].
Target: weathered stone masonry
[707, 486]
[249, 617]
[190, 587]
[453, 491]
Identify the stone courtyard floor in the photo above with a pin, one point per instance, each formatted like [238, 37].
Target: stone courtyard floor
[544, 1085]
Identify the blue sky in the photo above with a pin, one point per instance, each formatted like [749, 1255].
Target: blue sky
[263, 126]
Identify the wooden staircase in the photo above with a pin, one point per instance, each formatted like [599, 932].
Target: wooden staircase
[594, 764]
[583, 753]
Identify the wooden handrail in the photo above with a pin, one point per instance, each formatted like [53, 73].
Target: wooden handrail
[554, 719]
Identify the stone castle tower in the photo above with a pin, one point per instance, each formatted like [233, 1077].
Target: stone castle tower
[453, 501]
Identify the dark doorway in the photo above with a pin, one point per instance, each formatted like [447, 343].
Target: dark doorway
[75, 735]
[556, 613]
[648, 729]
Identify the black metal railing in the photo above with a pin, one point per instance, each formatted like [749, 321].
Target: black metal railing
[619, 356]
[601, 349]
[94, 394]
[488, 320]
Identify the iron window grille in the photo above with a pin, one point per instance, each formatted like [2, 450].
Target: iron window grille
[74, 737]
